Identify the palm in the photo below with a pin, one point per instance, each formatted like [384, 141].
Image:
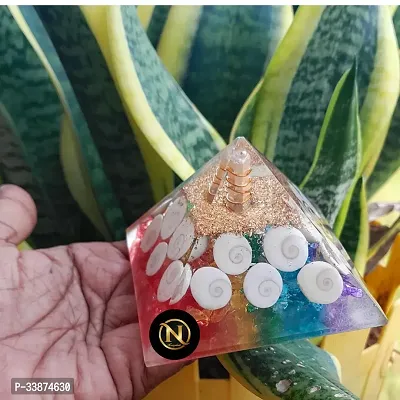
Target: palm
[68, 312]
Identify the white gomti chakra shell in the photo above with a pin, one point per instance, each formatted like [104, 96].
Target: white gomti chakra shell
[285, 248]
[332, 255]
[211, 288]
[262, 285]
[169, 281]
[181, 240]
[309, 231]
[232, 253]
[173, 217]
[320, 282]
[151, 235]
[156, 259]
[183, 285]
[200, 246]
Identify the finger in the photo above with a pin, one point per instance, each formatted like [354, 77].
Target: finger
[17, 214]
[122, 247]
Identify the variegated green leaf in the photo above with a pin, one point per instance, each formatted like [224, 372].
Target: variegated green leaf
[319, 47]
[32, 159]
[383, 92]
[145, 13]
[244, 120]
[355, 233]
[153, 20]
[90, 163]
[389, 158]
[103, 111]
[338, 152]
[78, 178]
[218, 54]
[393, 9]
[173, 126]
[161, 176]
[291, 371]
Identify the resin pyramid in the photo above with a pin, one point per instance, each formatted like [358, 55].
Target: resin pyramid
[241, 249]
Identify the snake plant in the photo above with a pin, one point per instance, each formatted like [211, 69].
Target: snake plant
[115, 105]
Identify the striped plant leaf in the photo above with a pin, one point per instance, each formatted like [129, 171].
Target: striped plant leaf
[338, 152]
[383, 93]
[321, 44]
[393, 9]
[153, 20]
[32, 158]
[89, 160]
[218, 54]
[244, 120]
[161, 176]
[291, 371]
[344, 209]
[103, 110]
[355, 233]
[389, 159]
[78, 179]
[145, 14]
[170, 122]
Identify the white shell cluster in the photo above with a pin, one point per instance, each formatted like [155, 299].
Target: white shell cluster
[173, 217]
[151, 235]
[181, 240]
[285, 249]
[199, 247]
[176, 279]
[174, 282]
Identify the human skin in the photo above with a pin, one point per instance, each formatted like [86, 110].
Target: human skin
[69, 312]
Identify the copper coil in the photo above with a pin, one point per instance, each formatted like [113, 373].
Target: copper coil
[231, 171]
[236, 197]
[238, 207]
[239, 188]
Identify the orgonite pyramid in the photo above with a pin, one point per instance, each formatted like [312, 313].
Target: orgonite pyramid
[241, 249]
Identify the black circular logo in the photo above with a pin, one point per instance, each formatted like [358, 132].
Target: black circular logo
[174, 334]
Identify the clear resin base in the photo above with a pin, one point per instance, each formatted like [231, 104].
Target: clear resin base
[242, 250]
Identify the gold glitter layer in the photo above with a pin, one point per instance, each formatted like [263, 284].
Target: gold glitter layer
[268, 206]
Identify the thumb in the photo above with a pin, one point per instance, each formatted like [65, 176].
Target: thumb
[17, 214]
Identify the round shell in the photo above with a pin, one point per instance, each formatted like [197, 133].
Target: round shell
[285, 248]
[173, 217]
[151, 234]
[232, 254]
[181, 240]
[320, 282]
[262, 285]
[211, 288]
[334, 256]
[156, 259]
[200, 246]
[309, 231]
[183, 285]
[169, 281]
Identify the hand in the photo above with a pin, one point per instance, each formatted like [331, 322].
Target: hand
[68, 312]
